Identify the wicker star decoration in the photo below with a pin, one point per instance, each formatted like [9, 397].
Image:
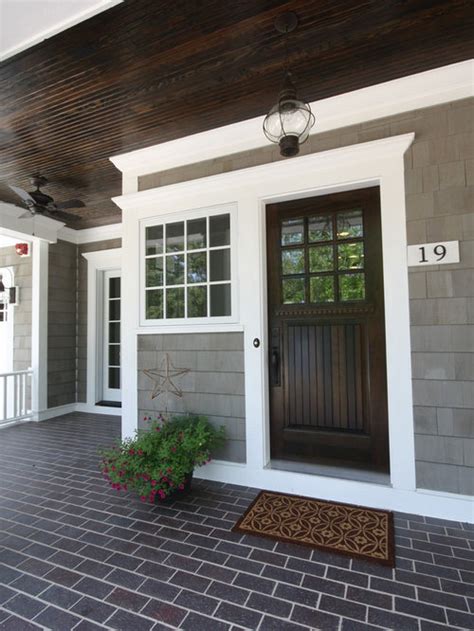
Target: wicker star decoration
[163, 378]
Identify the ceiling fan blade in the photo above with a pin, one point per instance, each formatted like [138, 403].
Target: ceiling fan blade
[70, 203]
[26, 197]
[59, 215]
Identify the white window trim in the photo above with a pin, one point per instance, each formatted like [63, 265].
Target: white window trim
[376, 163]
[191, 324]
[97, 263]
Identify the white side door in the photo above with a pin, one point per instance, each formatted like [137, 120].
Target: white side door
[111, 376]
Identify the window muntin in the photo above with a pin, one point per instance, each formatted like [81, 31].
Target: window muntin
[322, 258]
[188, 269]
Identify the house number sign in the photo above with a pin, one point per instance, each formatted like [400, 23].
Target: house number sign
[433, 253]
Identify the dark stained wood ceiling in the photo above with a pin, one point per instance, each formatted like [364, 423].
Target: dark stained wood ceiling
[146, 71]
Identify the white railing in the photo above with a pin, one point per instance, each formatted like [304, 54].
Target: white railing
[15, 396]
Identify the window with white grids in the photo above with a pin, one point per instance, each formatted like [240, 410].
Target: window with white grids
[187, 269]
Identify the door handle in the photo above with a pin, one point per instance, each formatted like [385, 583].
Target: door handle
[275, 364]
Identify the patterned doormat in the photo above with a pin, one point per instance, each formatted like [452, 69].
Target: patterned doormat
[356, 531]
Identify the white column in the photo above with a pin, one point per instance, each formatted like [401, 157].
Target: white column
[130, 321]
[39, 327]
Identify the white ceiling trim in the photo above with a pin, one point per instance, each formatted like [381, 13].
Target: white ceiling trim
[425, 89]
[35, 23]
[91, 235]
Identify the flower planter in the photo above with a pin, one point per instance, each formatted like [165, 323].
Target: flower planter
[176, 494]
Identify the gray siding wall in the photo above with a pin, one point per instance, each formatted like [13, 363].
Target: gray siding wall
[22, 269]
[82, 310]
[62, 286]
[439, 185]
[214, 385]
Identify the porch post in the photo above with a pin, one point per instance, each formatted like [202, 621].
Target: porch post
[39, 328]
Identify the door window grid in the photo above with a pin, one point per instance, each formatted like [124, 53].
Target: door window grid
[322, 258]
[187, 273]
[113, 339]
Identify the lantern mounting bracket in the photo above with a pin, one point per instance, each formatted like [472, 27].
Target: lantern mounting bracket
[286, 22]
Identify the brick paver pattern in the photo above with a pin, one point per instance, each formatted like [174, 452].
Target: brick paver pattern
[76, 555]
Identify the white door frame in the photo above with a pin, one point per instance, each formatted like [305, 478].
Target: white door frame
[97, 263]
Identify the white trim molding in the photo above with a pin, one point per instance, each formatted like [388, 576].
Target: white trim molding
[378, 163]
[97, 263]
[39, 327]
[45, 15]
[424, 89]
[91, 235]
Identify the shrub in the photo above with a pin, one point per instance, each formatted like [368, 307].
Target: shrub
[159, 460]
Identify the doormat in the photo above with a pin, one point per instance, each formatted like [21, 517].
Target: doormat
[355, 531]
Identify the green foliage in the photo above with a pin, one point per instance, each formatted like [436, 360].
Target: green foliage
[159, 459]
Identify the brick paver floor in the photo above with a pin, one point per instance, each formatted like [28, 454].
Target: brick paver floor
[74, 555]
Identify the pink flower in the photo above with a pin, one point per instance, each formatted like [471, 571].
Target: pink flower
[154, 483]
[157, 429]
[173, 449]
[143, 498]
[181, 487]
[140, 452]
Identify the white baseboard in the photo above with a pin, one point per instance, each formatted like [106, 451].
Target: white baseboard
[98, 409]
[418, 501]
[53, 412]
[74, 407]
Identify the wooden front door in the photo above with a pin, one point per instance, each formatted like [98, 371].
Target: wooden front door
[328, 393]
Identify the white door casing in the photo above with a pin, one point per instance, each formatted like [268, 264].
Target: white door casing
[98, 264]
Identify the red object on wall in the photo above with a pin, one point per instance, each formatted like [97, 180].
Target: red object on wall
[22, 249]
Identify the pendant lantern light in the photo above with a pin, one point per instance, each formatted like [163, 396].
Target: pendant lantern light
[290, 120]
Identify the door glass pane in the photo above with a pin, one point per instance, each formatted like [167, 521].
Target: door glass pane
[154, 272]
[219, 264]
[320, 228]
[114, 378]
[175, 303]
[321, 289]
[321, 258]
[114, 309]
[154, 304]
[197, 267]
[293, 291]
[175, 237]
[196, 233]
[351, 287]
[114, 354]
[350, 255]
[292, 261]
[114, 287]
[175, 269]
[220, 300]
[292, 231]
[350, 224]
[114, 332]
[219, 230]
[197, 302]
[154, 240]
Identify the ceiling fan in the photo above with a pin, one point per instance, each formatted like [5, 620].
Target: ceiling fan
[39, 203]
